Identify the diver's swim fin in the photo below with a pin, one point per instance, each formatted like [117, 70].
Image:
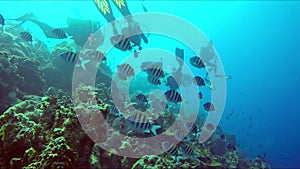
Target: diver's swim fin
[105, 9]
[179, 53]
[122, 6]
[28, 16]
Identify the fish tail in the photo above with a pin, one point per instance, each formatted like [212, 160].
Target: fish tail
[83, 63]
[154, 128]
[211, 86]
[227, 76]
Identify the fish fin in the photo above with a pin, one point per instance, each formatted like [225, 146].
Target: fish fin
[211, 86]
[224, 76]
[145, 39]
[121, 76]
[147, 131]
[227, 76]
[83, 63]
[154, 128]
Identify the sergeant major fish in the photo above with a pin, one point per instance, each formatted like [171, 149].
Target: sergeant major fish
[173, 96]
[95, 55]
[189, 151]
[141, 124]
[155, 71]
[73, 58]
[121, 42]
[59, 33]
[197, 62]
[199, 81]
[209, 107]
[170, 148]
[26, 36]
[141, 98]
[125, 71]
[153, 80]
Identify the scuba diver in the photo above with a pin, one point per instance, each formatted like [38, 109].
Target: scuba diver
[210, 58]
[78, 29]
[120, 41]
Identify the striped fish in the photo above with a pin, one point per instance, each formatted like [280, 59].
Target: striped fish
[141, 124]
[135, 39]
[197, 62]
[192, 127]
[188, 151]
[199, 81]
[149, 64]
[153, 80]
[26, 36]
[209, 107]
[141, 98]
[113, 110]
[59, 33]
[121, 42]
[95, 55]
[125, 71]
[173, 96]
[155, 71]
[73, 58]
[170, 148]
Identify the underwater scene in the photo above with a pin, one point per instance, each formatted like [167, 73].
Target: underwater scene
[149, 84]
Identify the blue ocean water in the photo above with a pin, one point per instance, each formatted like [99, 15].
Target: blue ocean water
[258, 44]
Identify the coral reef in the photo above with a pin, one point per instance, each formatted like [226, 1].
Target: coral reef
[44, 132]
